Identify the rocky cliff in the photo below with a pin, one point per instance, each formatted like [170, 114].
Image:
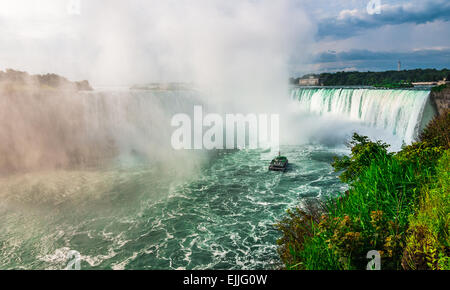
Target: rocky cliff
[440, 98]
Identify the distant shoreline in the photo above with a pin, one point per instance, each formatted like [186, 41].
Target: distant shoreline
[383, 78]
[16, 81]
[424, 88]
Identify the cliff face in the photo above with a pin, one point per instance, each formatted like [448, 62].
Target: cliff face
[441, 99]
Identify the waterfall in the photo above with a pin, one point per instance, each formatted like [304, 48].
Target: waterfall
[403, 113]
[68, 129]
[62, 129]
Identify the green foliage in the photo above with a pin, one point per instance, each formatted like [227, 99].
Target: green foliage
[363, 152]
[437, 131]
[318, 256]
[428, 241]
[376, 210]
[400, 85]
[439, 88]
[301, 247]
[397, 204]
[423, 156]
[434, 140]
[296, 228]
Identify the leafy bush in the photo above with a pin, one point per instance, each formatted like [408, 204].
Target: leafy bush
[300, 247]
[437, 132]
[439, 88]
[297, 227]
[363, 153]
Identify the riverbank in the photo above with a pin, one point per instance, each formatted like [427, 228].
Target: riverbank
[397, 204]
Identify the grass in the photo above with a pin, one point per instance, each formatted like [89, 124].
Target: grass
[428, 243]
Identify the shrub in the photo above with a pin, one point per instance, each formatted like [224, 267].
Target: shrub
[423, 155]
[376, 212]
[437, 132]
[296, 228]
[363, 152]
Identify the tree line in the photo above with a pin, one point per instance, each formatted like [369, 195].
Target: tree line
[356, 78]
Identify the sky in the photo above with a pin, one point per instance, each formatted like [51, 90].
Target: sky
[350, 36]
[125, 42]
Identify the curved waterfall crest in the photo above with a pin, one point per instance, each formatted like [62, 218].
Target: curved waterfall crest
[401, 112]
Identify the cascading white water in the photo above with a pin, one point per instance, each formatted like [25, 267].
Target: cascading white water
[400, 112]
[68, 129]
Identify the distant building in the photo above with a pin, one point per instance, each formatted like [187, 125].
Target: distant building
[399, 66]
[310, 80]
[437, 83]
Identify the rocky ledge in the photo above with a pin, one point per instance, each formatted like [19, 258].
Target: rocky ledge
[440, 98]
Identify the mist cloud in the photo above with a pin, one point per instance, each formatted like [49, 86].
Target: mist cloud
[125, 42]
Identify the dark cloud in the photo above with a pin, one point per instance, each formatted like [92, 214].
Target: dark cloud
[353, 22]
[364, 60]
